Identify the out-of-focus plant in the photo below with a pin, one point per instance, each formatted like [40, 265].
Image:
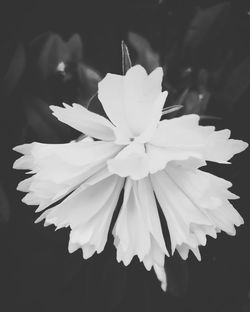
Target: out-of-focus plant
[200, 74]
[57, 73]
[12, 66]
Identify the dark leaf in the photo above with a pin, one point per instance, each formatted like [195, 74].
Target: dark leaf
[43, 124]
[196, 103]
[237, 83]
[95, 106]
[15, 70]
[54, 52]
[89, 79]
[75, 47]
[126, 61]
[146, 56]
[204, 20]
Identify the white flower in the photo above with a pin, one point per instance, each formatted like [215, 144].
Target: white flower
[149, 158]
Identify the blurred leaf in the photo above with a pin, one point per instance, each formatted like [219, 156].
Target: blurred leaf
[126, 61]
[146, 56]
[203, 21]
[54, 51]
[4, 206]
[43, 124]
[196, 103]
[176, 101]
[95, 106]
[237, 83]
[202, 79]
[15, 70]
[89, 79]
[75, 47]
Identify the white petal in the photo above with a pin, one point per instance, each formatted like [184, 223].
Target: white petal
[138, 230]
[154, 115]
[220, 148]
[60, 168]
[148, 204]
[110, 93]
[140, 95]
[178, 209]
[181, 132]
[159, 157]
[130, 231]
[88, 213]
[225, 218]
[131, 162]
[185, 134]
[195, 204]
[161, 275]
[133, 102]
[79, 118]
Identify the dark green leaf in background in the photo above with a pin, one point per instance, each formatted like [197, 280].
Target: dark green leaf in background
[145, 55]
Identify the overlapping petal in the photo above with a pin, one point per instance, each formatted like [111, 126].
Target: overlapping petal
[81, 119]
[131, 100]
[195, 204]
[154, 160]
[60, 168]
[137, 230]
[185, 136]
[88, 212]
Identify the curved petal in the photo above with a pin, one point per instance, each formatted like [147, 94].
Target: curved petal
[219, 148]
[178, 209]
[60, 168]
[195, 204]
[110, 93]
[131, 162]
[79, 118]
[186, 135]
[153, 120]
[138, 230]
[88, 213]
[140, 94]
[130, 101]
[159, 157]
[181, 132]
[161, 275]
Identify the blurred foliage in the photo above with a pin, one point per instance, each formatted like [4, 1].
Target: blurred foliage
[54, 53]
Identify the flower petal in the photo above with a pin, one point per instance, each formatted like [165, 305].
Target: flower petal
[185, 134]
[195, 204]
[178, 209]
[88, 213]
[220, 148]
[130, 101]
[138, 230]
[159, 157]
[181, 132]
[161, 275]
[131, 162]
[79, 118]
[110, 93]
[141, 91]
[59, 168]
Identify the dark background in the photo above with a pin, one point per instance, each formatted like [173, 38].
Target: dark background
[204, 48]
